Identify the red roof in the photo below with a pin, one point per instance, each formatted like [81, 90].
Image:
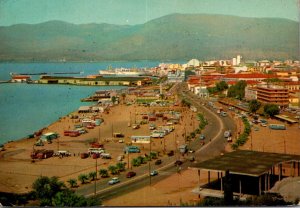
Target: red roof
[20, 77]
[249, 76]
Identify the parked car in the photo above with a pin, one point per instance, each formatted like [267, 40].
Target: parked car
[153, 173]
[135, 126]
[178, 162]
[202, 137]
[263, 124]
[191, 151]
[114, 181]
[158, 162]
[130, 174]
[171, 153]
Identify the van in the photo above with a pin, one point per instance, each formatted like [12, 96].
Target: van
[183, 148]
[96, 150]
[106, 156]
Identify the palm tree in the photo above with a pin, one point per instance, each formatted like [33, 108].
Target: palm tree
[120, 166]
[123, 97]
[135, 162]
[93, 175]
[153, 155]
[83, 178]
[141, 159]
[72, 182]
[103, 173]
[113, 169]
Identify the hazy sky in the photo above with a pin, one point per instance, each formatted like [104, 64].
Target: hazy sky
[136, 11]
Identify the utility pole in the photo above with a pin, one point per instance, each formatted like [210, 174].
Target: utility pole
[96, 178]
[99, 140]
[149, 163]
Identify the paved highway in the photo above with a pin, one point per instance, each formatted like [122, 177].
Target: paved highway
[214, 145]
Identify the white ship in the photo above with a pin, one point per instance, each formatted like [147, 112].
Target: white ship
[124, 72]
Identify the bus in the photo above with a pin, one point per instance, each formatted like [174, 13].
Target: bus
[140, 139]
[131, 149]
[96, 150]
[277, 127]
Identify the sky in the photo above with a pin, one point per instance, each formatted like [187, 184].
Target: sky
[133, 12]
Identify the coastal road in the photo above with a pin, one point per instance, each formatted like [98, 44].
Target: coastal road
[214, 145]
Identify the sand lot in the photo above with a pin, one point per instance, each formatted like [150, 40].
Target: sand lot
[177, 188]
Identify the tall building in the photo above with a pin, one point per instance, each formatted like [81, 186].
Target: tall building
[238, 59]
[273, 94]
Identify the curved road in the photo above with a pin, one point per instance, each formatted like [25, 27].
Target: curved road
[214, 145]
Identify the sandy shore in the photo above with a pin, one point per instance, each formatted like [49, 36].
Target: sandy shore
[18, 172]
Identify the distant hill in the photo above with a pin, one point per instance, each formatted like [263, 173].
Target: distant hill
[172, 37]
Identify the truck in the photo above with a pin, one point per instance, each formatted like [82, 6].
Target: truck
[131, 149]
[41, 154]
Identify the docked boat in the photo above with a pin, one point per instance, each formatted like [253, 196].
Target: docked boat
[124, 72]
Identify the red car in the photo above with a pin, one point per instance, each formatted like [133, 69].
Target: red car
[130, 174]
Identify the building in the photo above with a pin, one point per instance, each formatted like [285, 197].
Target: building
[201, 91]
[193, 62]
[249, 76]
[175, 76]
[97, 81]
[20, 78]
[273, 94]
[250, 93]
[251, 172]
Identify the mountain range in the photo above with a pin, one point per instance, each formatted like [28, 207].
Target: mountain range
[171, 37]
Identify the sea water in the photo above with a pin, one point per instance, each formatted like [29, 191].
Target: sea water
[26, 108]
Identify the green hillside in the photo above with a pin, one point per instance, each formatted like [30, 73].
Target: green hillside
[172, 37]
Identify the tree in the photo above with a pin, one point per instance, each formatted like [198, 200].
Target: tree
[120, 166]
[113, 99]
[123, 97]
[153, 155]
[68, 198]
[221, 86]
[103, 173]
[46, 188]
[254, 105]
[113, 169]
[72, 182]
[135, 162]
[93, 175]
[238, 90]
[271, 110]
[83, 178]
[141, 159]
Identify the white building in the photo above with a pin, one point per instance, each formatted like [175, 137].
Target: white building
[193, 62]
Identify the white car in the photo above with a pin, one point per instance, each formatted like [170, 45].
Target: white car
[114, 181]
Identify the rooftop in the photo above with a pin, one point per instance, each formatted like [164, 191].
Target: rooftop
[245, 162]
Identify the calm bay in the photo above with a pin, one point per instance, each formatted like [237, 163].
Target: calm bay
[26, 108]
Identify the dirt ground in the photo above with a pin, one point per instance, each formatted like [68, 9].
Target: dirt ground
[176, 189]
[18, 172]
